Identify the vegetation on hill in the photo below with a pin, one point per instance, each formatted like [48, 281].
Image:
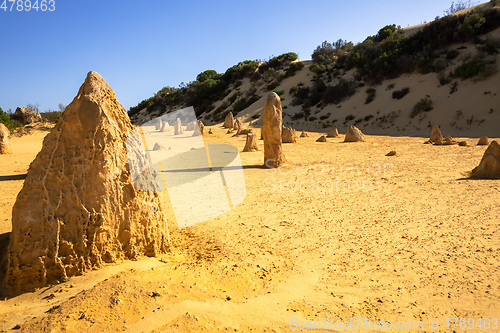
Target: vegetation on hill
[211, 86]
[386, 55]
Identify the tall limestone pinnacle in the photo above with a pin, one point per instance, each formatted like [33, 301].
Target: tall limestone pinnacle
[78, 207]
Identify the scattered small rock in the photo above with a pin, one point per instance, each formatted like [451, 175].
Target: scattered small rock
[354, 135]
[391, 153]
[483, 141]
[322, 139]
[333, 133]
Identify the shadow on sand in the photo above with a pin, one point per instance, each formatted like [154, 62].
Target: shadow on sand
[4, 243]
[13, 177]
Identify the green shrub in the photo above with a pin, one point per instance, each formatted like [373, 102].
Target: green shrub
[243, 103]
[312, 118]
[452, 54]
[398, 94]
[471, 68]
[326, 53]
[424, 105]
[233, 97]
[358, 120]
[317, 68]
[241, 70]
[256, 116]
[272, 85]
[298, 115]
[279, 92]
[278, 62]
[221, 108]
[368, 117]
[326, 116]
[299, 91]
[237, 84]
[349, 117]
[489, 47]
[336, 94]
[297, 101]
[51, 116]
[371, 95]
[294, 68]
[443, 80]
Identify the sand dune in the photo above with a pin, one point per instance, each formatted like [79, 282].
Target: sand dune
[341, 231]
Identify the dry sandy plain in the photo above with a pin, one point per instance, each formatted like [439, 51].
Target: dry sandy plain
[340, 232]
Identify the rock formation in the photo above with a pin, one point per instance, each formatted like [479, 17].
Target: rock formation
[237, 125]
[322, 139]
[178, 127]
[353, 134]
[199, 129]
[164, 126]
[483, 141]
[5, 147]
[304, 134]
[271, 131]
[448, 141]
[210, 131]
[191, 126]
[201, 126]
[78, 207]
[436, 134]
[333, 133]
[489, 167]
[463, 143]
[288, 135]
[245, 131]
[229, 121]
[439, 141]
[159, 146]
[251, 143]
[158, 125]
[26, 116]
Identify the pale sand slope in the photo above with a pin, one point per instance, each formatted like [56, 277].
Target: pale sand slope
[421, 243]
[471, 110]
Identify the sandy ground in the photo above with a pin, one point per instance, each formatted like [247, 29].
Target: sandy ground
[340, 232]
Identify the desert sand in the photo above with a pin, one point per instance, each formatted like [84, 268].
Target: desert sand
[340, 232]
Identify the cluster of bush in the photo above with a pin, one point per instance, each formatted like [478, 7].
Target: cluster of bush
[5, 119]
[322, 93]
[211, 86]
[390, 53]
[424, 105]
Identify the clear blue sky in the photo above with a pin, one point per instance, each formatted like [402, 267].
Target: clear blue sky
[141, 46]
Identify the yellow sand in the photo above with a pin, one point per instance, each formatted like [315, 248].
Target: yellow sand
[340, 232]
